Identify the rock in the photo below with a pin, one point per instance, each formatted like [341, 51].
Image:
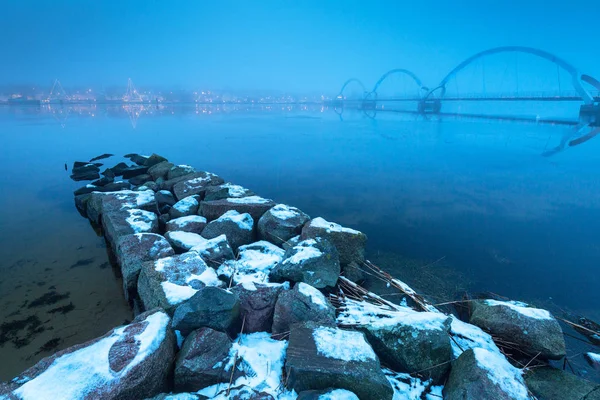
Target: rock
[320, 357]
[127, 363]
[140, 179]
[327, 394]
[184, 241]
[155, 159]
[180, 170]
[89, 188]
[215, 251]
[108, 173]
[349, 242]
[149, 185]
[238, 228]
[163, 220]
[313, 261]
[85, 172]
[291, 243]
[532, 329]
[133, 250]
[118, 169]
[101, 157]
[254, 263]
[226, 190]
[210, 307]
[169, 281]
[549, 383]
[116, 186]
[196, 185]
[354, 272]
[185, 207]
[257, 305]
[202, 351]
[191, 223]
[81, 203]
[165, 197]
[160, 170]
[593, 359]
[170, 183]
[253, 205]
[281, 223]
[100, 203]
[178, 396]
[482, 374]
[413, 342]
[117, 224]
[302, 303]
[138, 159]
[130, 172]
[103, 181]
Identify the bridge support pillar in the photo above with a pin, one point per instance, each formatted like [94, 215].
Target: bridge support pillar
[590, 114]
[430, 106]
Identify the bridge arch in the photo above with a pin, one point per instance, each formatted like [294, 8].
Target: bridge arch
[403, 71]
[349, 81]
[575, 75]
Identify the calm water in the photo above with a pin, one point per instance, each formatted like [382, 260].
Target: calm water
[448, 205]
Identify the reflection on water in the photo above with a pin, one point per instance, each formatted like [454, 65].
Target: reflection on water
[448, 204]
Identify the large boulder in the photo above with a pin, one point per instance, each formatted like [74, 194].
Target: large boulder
[302, 303]
[413, 342]
[183, 241]
[104, 202]
[254, 205]
[191, 223]
[313, 261]
[215, 251]
[254, 263]
[169, 281]
[169, 183]
[117, 224]
[128, 363]
[210, 307]
[225, 191]
[160, 170]
[196, 185]
[85, 172]
[133, 250]
[281, 223]
[321, 357]
[549, 383]
[238, 228]
[154, 159]
[533, 330]
[350, 243]
[257, 305]
[184, 208]
[482, 374]
[201, 360]
[130, 172]
[137, 159]
[140, 179]
[179, 171]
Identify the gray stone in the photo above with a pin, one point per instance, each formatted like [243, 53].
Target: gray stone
[549, 383]
[210, 307]
[313, 261]
[253, 264]
[253, 205]
[138, 359]
[215, 251]
[418, 342]
[132, 251]
[150, 185]
[302, 303]
[165, 197]
[184, 241]
[257, 305]
[291, 243]
[321, 357]
[170, 281]
[183, 208]
[105, 180]
[191, 223]
[81, 203]
[117, 224]
[130, 172]
[482, 374]
[140, 179]
[196, 186]
[100, 203]
[533, 330]
[281, 223]
[168, 184]
[160, 170]
[350, 243]
[354, 272]
[180, 170]
[238, 228]
[155, 159]
[225, 191]
[202, 350]
[137, 158]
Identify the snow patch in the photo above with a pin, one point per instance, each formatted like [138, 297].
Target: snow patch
[175, 293]
[186, 240]
[208, 278]
[282, 211]
[466, 336]
[182, 221]
[248, 200]
[303, 251]
[244, 221]
[594, 357]
[316, 297]
[254, 263]
[338, 394]
[331, 226]
[502, 373]
[235, 190]
[140, 220]
[186, 204]
[405, 386]
[342, 345]
[522, 308]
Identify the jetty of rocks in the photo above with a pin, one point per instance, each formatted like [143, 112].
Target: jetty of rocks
[239, 297]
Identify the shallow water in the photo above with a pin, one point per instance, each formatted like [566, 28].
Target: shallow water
[448, 205]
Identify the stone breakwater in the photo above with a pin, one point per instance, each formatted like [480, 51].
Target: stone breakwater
[238, 297]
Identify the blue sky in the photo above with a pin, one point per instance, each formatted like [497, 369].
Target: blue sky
[298, 46]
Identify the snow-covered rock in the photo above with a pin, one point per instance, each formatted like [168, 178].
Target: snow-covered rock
[281, 223]
[191, 223]
[179, 171]
[117, 224]
[184, 207]
[466, 336]
[169, 281]
[532, 329]
[327, 394]
[196, 185]
[160, 170]
[302, 303]
[214, 251]
[407, 387]
[313, 261]
[225, 191]
[482, 374]
[593, 359]
[238, 228]
[254, 205]
[184, 241]
[130, 362]
[254, 263]
[322, 357]
[104, 202]
[549, 383]
[164, 197]
[350, 243]
[257, 304]
[133, 250]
